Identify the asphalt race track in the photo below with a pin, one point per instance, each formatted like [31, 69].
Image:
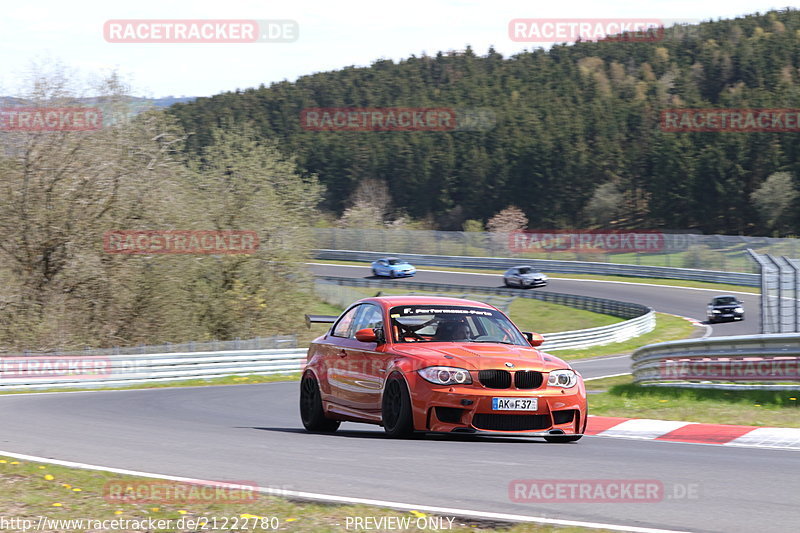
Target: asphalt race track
[253, 433]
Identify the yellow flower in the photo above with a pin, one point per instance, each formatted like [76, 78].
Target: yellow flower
[757, 404]
[662, 401]
[66, 485]
[3, 461]
[181, 512]
[14, 463]
[155, 509]
[418, 514]
[291, 519]
[57, 504]
[41, 468]
[792, 399]
[76, 490]
[49, 477]
[117, 512]
[248, 515]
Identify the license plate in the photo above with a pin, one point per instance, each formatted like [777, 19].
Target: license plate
[515, 404]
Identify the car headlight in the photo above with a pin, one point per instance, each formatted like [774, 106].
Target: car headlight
[562, 378]
[446, 375]
[716, 311]
[739, 310]
[544, 277]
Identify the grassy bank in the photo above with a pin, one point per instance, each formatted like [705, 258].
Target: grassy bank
[51, 495]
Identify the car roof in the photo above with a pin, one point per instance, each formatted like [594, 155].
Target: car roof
[525, 266]
[725, 296]
[392, 301]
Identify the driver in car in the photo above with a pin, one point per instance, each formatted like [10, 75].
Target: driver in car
[452, 330]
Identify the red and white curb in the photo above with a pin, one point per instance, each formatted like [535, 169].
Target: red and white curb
[693, 432]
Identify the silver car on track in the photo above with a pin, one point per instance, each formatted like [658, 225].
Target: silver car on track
[524, 277]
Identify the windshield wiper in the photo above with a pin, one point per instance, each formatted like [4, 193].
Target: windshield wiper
[496, 342]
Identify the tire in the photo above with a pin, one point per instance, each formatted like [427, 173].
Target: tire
[391, 274]
[374, 273]
[396, 408]
[311, 412]
[506, 283]
[571, 438]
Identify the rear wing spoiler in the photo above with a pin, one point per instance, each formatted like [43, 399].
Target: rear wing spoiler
[320, 319]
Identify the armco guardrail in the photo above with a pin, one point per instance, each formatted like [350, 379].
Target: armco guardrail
[46, 371]
[739, 362]
[640, 319]
[547, 265]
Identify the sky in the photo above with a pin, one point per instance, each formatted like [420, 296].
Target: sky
[332, 35]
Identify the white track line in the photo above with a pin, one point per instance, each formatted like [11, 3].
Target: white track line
[566, 279]
[608, 376]
[348, 500]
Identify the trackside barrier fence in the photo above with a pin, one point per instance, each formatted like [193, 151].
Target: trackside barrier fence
[739, 362]
[547, 265]
[639, 319]
[46, 371]
[40, 371]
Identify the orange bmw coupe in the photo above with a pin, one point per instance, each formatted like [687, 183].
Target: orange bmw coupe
[432, 364]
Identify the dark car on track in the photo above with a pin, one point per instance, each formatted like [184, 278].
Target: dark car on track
[725, 308]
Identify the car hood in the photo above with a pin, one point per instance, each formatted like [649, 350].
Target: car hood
[400, 267]
[726, 306]
[533, 276]
[478, 356]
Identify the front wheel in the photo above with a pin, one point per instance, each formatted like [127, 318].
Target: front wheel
[398, 421]
[374, 272]
[311, 412]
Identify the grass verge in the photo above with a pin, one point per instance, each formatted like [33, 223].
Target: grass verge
[50, 496]
[534, 315]
[668, 328]
[711, 406]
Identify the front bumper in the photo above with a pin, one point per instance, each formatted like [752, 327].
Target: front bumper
[535, 283]
[468, 409]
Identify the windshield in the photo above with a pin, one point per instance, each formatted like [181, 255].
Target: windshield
[525, 270]
[424, 323]
[725, 300]
[396, 262]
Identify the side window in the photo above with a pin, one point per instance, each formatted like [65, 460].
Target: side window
[343, 327]
[369, 317]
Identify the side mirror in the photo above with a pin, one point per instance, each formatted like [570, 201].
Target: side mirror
[367, 335]
[535, 339]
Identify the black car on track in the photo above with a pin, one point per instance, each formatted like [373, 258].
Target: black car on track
[725, 308]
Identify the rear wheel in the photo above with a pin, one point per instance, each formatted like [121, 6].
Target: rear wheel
[311, 411]
[374, 272]
[396, 408]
